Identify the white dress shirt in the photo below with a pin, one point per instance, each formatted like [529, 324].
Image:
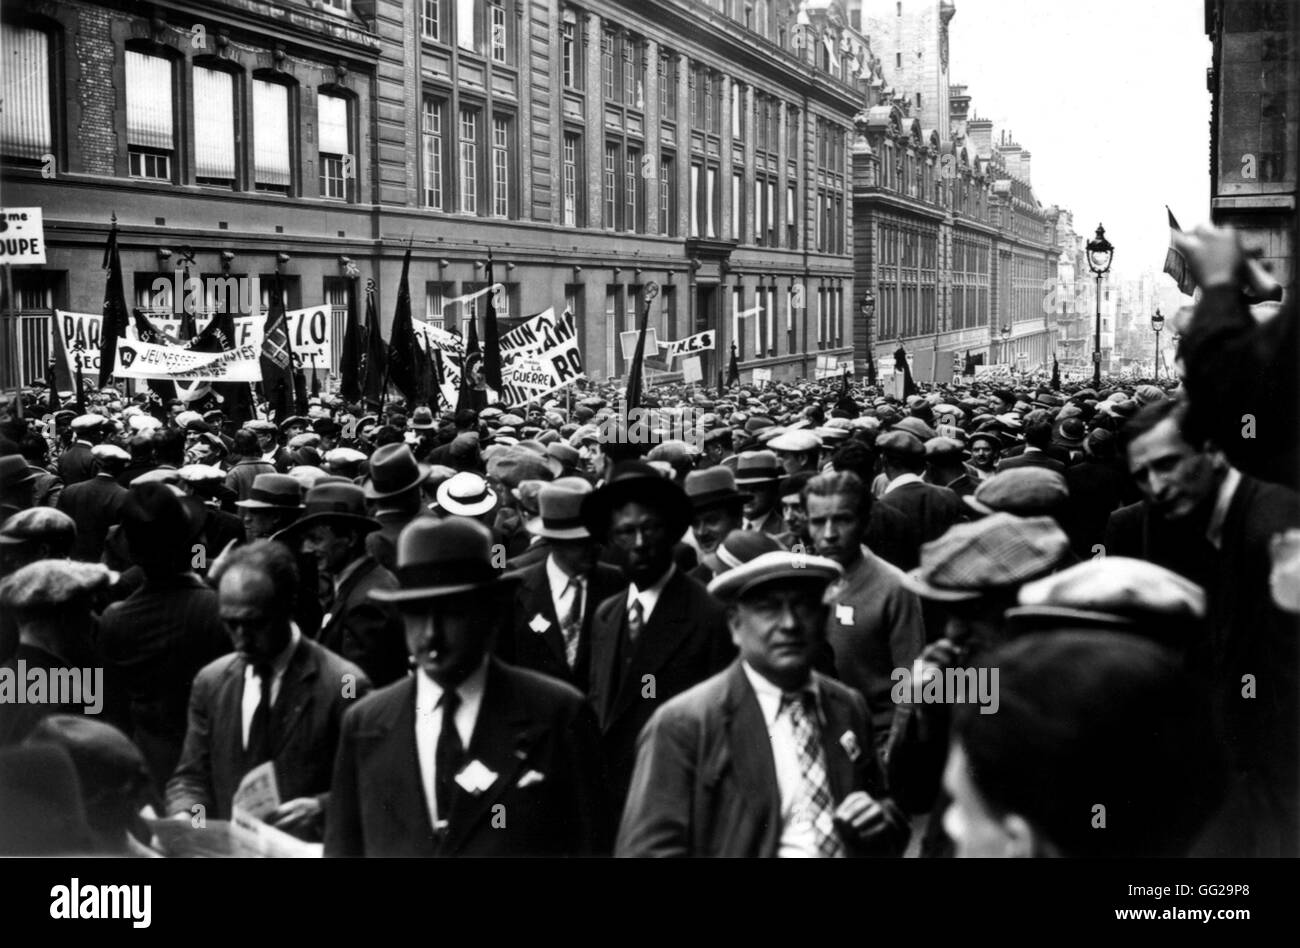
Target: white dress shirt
[901, 479]
[428, 724]
[1227, 490]
[253, 687]
[562, 592]
[649, 597]
[797, 837]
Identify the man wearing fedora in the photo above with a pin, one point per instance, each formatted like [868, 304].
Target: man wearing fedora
[333, 530]
[717, 508]
[166, 630]
[393, 492]
[556, 598]
[768, 757]
[759, 474]
[469, 756]
[661, 636]
[277, 697]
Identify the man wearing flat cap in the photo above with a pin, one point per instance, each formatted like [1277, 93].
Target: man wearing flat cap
[469, 756]
[333, 529]
[95, 504]
[556, 597]
[768, 757]
[661, 636]
[76, 463]
[928, 510]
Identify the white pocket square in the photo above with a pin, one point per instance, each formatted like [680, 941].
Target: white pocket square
[475, 778]
[530, 778]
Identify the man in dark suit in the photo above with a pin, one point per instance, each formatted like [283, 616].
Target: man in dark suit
[769, 757]
[278, 697]
[758, 474]
[469, 756]
[661, 636]
[717, 508]
[333, 529]
[1037, 451]
[159, 637]
[1096, 490]
[929, 510]
[1211, 523]
[76, 463]
[556, 599]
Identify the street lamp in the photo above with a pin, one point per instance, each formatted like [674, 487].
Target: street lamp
[868, 311]
[1100, 252]
[1006, 342]
[1157, 323]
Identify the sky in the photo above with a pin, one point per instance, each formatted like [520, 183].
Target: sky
[1110, 98]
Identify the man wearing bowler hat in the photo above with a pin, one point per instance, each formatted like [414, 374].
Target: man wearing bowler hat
[469, 756]
[662, 635]
[333, 529]
[556, 598]
[769, 757]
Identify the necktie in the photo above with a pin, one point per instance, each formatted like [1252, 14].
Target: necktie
[813, 802]
[447, 755]
[635, 622]
[259, 729]
[572, 622]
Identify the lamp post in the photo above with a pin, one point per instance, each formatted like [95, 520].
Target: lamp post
[1100, 253]
[1157, 323]
[1006, 342]
[868, 313]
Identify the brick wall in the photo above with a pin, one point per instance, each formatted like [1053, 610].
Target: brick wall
[95, 93]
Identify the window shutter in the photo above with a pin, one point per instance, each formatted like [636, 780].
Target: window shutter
[148, 101]
[214, 140]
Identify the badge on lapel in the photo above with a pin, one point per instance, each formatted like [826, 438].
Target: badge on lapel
[530, 778]
[475, 778]
[844, 614]
[539, 623]
[849, 741]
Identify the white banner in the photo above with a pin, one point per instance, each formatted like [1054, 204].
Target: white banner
[540, 356]
[699, 342]
[22, 233]
[146, 360]
[692, 370]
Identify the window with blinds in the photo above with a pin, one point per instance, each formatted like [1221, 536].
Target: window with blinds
[214, 132]
[25, 119]
[271, 168]
[335, 157]
[149, 116]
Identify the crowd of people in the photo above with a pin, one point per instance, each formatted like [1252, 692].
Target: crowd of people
[989, 618]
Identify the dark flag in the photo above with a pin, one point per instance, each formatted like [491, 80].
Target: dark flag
[146, 331]
[235, 397]
[900, 364]
[187, 329]
[350, 359]
[491, 341]
[871, 369]
[844, 384]
[733, 369]
[969, 368]
[403, 363]
[115, 312]
[1175, 264]
[1056, 374]
[374, 364]
[277, 359]
[52, 380]
[471, 394]
[633, 397]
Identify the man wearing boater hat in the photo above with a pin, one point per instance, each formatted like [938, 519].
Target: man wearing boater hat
[662, 635]
[768, 757]
[555, 599]
[333, 529]
[469, 756]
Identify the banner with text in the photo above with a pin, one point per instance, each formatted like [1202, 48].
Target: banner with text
[540, 356]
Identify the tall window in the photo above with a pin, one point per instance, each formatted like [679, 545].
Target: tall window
[335, 156]
[468, 122]
[572, 149]
[432, 148]
[631, 90]
[667, 196]
[214, 127]
[571, 47]
[434, 297]
[696, 171]
[499, 47]
[271, 167]
[737, 204]
[25, 127]
[149, 116]
[468, 28]
[500, 167]
[737, 324]
[611, 187]
[667, 89]
[737, 112]
[791, 216]
[431, 19]
[631, 191]
[607, 63]
[711, 201]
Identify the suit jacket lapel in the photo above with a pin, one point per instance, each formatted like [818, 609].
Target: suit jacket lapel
[340, 600]
[390, 751]
[604, 658]
[837, 722]
[295, 693]
[229, 718]
[541, 604]
[659, 638]
[500, 742]
[758, 794]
